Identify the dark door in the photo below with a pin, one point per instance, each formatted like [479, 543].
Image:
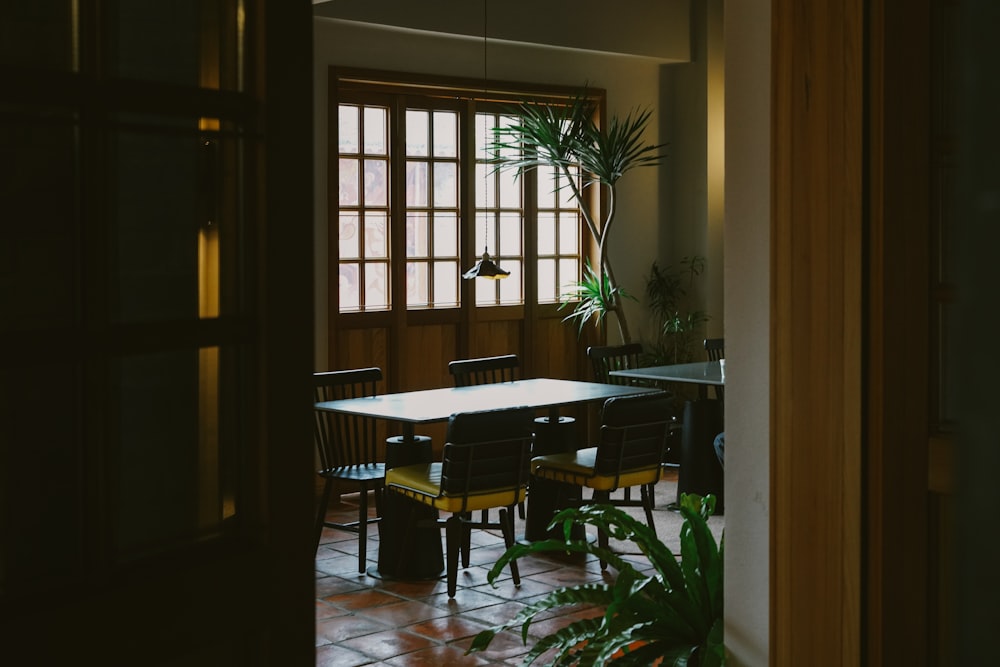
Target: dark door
[156, 336]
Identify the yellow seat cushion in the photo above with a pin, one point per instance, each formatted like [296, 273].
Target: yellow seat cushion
[577, 468]
[422, 482]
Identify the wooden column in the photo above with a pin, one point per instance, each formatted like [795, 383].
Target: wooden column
[817, 324]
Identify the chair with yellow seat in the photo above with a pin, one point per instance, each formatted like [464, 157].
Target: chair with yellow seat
[629, 453]
[484, 464]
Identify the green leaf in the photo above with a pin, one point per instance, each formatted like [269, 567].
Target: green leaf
[672, 614]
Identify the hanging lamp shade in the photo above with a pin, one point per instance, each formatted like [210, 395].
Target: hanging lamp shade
[485, 268]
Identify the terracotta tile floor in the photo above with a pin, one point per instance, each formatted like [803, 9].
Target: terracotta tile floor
[364, 620]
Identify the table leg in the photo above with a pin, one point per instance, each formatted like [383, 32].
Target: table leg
[553, 434]
[409, 541]
[700, 471]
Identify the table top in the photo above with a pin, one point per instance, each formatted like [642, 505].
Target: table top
[436, 405]
[701, 372]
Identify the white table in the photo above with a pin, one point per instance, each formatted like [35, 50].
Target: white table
[701, 372]
[428, 406]
[437, 405]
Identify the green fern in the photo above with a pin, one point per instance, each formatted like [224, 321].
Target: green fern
[674, 615]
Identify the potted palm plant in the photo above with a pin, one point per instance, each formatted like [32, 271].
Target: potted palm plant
[567, 138]
[677, 325]
[670, 617]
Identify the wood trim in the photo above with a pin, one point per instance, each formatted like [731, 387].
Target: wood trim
[816, 316]
[898, 334]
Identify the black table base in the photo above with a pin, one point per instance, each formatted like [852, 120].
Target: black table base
[545, 497]
[700, 472]
[409, 545]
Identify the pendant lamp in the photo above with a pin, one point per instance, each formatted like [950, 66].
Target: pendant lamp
[485, 267]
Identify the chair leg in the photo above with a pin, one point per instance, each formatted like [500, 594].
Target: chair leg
[454, 527]
[379, 493]
[466, 546]
[362, 528]
[321, 512]
[647, 504]
[507, 527]
[602, 537]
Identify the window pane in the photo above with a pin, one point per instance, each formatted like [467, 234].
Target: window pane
[152, 44]
[376, 292]
[484, 134]
[486, 196]
[547, 292]
[375, 237]
[349, 182]
[486, 291]
[417, 130]
[569, 234]
[484, 222]
[349, 237]
[569, 273]
[156, 215]
[156, 510]
[347, 129]
[417, 233]
[39, 256]
[417, 286]
[546, 187]
[546, 234]
[376, 193]
[350, 295]
[445, 235]
[445, 185]
[510, 234]
[510, 287]
[416, 184]
[445, 284]
[510, 189]
[508, 121]
[375, 126]
[445, 134]
[37, 34]
[566, 193]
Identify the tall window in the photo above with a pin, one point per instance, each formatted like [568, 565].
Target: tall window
[363, 146]
[418, 195]
[432, 207]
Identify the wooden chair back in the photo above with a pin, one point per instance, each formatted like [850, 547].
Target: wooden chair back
[634, 433]
[488, 452]
[607, 358]
[345, 440]
[715, 348]
[484, 370]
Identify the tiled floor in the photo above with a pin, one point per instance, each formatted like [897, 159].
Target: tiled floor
[364, 620]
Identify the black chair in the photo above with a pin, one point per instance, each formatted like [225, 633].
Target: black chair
[484, 370]
[348, 450]
[484, 465]
[607, 358]
[630, 451]
[715, 349]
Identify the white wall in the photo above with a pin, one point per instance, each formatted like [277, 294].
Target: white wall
[747, 293]
[630, 82]
[653, 28]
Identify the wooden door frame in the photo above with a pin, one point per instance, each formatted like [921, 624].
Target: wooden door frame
[849, 340]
